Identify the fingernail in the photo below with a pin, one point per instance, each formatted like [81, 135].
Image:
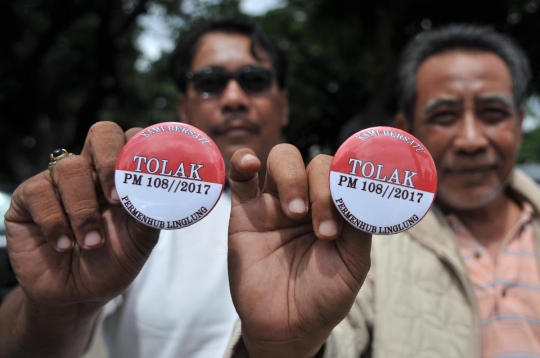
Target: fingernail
[297, 206]
[93, 238]
[114, 194]
[248, 157]
[63, 243]
[328, 228]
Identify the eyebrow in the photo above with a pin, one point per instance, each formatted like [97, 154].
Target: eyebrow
[497, 98]
[437, 102]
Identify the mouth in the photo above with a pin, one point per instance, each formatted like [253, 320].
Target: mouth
[237, 131]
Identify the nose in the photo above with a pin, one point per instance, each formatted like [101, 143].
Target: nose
[233, 97]
[471, 137]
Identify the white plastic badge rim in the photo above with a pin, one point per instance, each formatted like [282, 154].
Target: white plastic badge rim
[365, 196]
[172, 197]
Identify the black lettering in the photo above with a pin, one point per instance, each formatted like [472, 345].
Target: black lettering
[136, 179]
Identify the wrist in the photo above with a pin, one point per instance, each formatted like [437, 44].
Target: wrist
[60, 312]
[33, 330]
[297, 348]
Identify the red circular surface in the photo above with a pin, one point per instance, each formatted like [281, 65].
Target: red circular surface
[392, 148]
[383, 180]
[183, 144]
[170, 175]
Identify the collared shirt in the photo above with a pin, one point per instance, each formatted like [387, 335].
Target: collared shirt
[507, 289]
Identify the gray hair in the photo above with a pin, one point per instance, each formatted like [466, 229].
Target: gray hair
[466, 37]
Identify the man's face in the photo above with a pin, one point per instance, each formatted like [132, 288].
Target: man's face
[465, 115]
[234, 119]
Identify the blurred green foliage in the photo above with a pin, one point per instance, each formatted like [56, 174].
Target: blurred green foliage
[530, 149]
[66, 64]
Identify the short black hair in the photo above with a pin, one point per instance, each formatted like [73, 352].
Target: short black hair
[467, 37]
[182, 56]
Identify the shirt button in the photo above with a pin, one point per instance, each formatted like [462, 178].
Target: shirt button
[503, 293]
[477, 254]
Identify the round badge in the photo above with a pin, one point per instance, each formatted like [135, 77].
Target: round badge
[170, 175]
[383, 180]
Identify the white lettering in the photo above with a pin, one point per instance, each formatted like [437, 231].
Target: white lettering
[394, 177]
[408, 178]
[355, 162]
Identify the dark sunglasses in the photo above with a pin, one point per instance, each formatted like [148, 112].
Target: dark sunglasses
[211, 81]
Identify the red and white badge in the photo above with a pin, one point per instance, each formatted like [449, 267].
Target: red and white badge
[383, 180]
[170, 175]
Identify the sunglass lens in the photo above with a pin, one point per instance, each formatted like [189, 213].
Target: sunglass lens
[210, 83]
[256, 81]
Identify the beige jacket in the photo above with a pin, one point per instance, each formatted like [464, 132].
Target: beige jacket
[418, 300]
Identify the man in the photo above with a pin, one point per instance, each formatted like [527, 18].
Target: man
[232, 86]
[464, 282]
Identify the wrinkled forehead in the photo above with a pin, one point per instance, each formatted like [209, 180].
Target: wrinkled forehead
[462, 75]
[228, 50]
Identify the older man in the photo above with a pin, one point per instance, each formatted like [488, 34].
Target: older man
[78, 254]
[464, 282]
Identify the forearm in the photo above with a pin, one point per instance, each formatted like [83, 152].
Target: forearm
[29, 331]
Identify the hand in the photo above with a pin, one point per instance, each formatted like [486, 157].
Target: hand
[69, 240]
[294, 274]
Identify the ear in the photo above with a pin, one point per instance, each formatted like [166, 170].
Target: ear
[182, 108]
[521, 117]
[284, 108]
[402, 122]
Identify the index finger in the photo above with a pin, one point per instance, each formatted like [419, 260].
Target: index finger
[103, 144]
[243, 177]
[286, 178]
[327, 223]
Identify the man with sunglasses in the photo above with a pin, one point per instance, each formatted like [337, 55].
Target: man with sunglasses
[233, 86]
[175, 302]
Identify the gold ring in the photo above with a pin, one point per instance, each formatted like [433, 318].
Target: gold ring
[56, 156]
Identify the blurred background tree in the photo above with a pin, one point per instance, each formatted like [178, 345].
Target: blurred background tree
[67, 64]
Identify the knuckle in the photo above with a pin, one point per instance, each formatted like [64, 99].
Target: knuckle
[320, 159]
[132, 131]
[50, 218]
[33, 188]
[106, 164]
[294, 178]
[320, 198]
[286, 157]
[75, 165]
[319, 166]
[104, 127]
[86, 210]
[284, 149]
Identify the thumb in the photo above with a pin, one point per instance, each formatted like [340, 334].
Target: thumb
[355, 251]
[143, 234]
[243, 177]
[133, 236]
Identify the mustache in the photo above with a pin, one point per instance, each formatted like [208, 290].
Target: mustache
[234, 121]
[465, 163]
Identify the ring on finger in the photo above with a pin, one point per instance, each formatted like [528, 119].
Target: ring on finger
[56, 156]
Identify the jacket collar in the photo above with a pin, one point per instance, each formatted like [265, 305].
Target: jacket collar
[435, 233]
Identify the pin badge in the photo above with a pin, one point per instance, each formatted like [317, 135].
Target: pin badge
[170, 175]
[383, 180]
